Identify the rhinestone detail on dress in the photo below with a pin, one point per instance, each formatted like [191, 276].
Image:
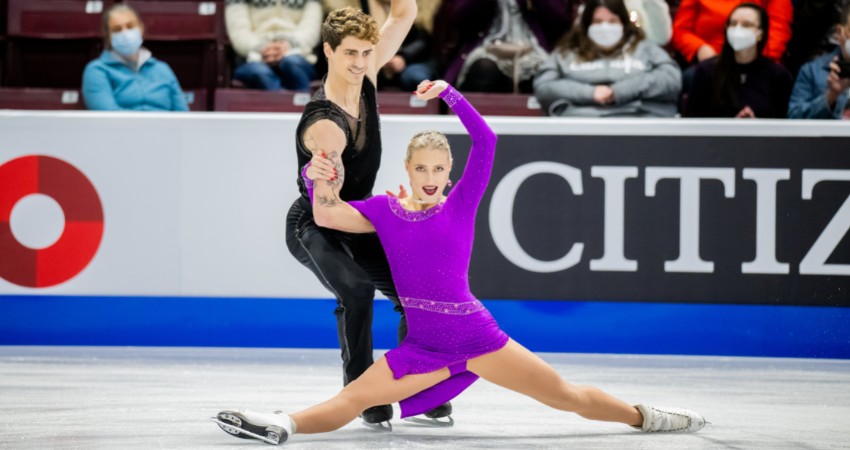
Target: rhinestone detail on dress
[457, 309]
[452, 96]
[413, 216]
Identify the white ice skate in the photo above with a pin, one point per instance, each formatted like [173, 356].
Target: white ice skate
[272, 429]
[669, 420]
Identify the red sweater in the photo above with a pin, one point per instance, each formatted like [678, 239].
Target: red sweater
[700, 22]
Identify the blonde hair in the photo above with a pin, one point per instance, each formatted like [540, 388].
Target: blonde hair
[349, 21]
[428, 139]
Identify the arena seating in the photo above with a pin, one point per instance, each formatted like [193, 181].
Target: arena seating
[41, 99]
[56, 19]
[404, 103]
[504, 104]
[51, 41]
[71, 99]
[245, 100]
[45, 45]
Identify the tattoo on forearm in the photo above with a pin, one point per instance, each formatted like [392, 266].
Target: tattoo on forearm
[328, 201]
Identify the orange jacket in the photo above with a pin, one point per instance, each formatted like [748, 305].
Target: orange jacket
[700, 22]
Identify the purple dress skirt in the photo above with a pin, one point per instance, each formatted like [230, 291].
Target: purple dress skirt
[429, 253]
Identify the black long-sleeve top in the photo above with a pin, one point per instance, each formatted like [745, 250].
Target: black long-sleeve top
[765, 88]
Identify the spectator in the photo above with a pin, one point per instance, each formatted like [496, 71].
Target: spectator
[495, 33]
[651, 16]
[812, 32]
[275, 39]
[741, 82]
[126, 77]
[414, 61]
[606, 67]
[820, 92]
[698, 32]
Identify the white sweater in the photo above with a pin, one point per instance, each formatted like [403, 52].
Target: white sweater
[251, 24]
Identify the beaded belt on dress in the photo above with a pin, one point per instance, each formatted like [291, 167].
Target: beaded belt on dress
[442, 307]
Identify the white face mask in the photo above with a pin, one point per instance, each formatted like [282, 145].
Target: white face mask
[605, 34]
[741, 38]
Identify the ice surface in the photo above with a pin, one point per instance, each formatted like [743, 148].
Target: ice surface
[152, 398]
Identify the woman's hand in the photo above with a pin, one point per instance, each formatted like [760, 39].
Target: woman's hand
[401, 192]
[746, 113]
[705, 52]
[603, 95]
[430, 89]
[321, 168]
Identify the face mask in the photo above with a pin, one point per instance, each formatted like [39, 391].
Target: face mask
[741, 38]
[127, 42]
[605, 34]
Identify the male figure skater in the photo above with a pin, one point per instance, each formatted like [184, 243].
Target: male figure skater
[342, 121]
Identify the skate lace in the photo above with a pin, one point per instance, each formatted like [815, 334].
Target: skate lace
[666, 421]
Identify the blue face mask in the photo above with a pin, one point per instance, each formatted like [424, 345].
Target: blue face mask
[127, 42]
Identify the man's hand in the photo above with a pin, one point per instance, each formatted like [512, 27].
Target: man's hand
[395, 65]
[705, 52]
[402, 193]
[603, 95]
[321, 168]
[835, 85]
[746, 113]
[430, 89]
[273, 52]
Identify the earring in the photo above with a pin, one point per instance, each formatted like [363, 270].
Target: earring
[450, 183]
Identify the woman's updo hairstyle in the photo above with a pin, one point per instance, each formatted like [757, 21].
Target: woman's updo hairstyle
[428, 139]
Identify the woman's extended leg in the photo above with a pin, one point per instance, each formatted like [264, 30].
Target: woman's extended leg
[375, 387]
[516, 368]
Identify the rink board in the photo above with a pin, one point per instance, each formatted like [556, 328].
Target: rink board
[542, 326]
[193, 249]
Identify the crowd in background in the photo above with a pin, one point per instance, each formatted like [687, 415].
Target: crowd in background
[606, 58]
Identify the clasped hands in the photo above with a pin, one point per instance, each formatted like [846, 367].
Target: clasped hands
[273, 52]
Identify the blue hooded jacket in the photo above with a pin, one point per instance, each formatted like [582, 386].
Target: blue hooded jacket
[808, 99]
[109, 85]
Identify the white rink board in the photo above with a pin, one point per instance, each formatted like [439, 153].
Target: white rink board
[195, 203]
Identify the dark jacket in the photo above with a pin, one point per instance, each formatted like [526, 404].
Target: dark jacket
[416, 47]
[766, 90]
[808, 99]
[547, 19]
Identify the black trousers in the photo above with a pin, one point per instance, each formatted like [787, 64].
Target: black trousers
[350, 266]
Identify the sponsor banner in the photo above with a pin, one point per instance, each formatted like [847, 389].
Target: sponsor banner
[179, 205]
[705, 219]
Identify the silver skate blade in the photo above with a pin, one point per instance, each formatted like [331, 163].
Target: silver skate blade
[227, 427]
[431, 422]
[379, 426]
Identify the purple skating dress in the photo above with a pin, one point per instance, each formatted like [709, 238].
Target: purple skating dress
[429, 254]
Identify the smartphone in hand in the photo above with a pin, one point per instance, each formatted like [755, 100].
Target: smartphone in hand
[845, 69]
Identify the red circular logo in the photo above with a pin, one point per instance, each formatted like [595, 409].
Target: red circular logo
[80, 239]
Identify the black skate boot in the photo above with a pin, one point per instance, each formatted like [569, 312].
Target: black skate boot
[432, 416]
[375, 417]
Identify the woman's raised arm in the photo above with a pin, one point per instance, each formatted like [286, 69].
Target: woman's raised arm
[476, 175]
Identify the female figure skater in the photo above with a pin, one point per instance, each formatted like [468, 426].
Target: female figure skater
[452, 339]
